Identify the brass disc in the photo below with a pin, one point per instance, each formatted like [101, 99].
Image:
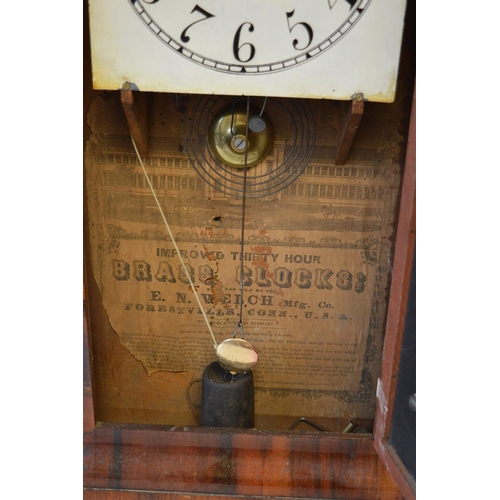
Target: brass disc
[227, 140]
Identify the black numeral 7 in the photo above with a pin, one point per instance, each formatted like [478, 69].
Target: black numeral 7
[203, 12]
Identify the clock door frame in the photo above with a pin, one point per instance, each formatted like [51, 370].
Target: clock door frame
[400, 295]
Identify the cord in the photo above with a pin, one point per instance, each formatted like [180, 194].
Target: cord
[175, 245]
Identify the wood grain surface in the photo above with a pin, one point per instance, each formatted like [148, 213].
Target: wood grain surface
[403, 259]
[235, 462]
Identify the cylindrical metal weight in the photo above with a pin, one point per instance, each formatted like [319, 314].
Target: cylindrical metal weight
[226, 401]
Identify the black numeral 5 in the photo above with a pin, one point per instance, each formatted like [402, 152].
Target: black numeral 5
[306, 27]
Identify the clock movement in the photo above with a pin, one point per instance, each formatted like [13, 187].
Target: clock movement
[242, 190]
[221, 121]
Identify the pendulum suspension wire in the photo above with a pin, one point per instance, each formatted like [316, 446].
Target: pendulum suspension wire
[248, 111]
[191, 284]
[242, 242]
[263, 106]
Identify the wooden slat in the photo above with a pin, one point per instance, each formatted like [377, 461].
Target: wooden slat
[88, 96]
[135, 107]
[100, 494]
[351, 113]
[88, 399]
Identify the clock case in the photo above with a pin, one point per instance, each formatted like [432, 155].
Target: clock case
[129, 460]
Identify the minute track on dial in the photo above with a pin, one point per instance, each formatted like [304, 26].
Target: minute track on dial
[244, 41]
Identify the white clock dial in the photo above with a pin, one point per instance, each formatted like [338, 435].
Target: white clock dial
[328, 49]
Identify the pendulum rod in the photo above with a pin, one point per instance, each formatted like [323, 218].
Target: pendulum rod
[242, 242]
[191, 284]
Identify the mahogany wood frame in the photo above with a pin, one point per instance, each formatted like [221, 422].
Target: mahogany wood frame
[403, 259]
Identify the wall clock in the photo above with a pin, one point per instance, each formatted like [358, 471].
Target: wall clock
[325, 49]
[127, 46]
